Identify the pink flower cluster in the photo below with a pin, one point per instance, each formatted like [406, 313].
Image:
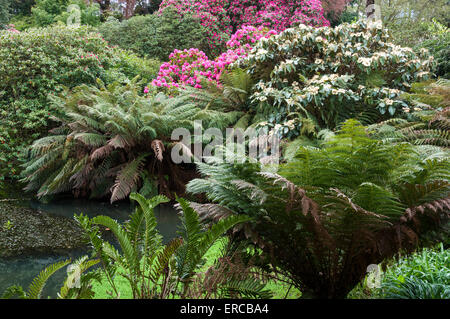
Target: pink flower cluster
[277, 14]
[188, 67]
[12, 28]
[228, 16]
[212, 14]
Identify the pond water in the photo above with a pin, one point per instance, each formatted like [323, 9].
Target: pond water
[22, 270]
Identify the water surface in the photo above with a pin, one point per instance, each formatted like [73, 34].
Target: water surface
[22, 270]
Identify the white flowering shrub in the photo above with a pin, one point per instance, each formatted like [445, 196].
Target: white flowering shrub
[330, 74]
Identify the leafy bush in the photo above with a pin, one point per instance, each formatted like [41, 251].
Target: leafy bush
[4, 13]
[129, 65]
[331, 74]
[424, 275]
[47, 12]
[427, 123]
[155, 35]
[39, 62]
[21, 22]
[112, 142]
[332, 211]
[416, 22]
[189, 67]
[223, 18]
[439, 47]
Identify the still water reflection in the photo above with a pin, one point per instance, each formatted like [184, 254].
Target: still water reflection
[22, 270]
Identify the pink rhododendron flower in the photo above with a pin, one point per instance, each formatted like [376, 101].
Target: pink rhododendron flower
[189, 66]
[12, 28]
[250, 20]
[223, 17]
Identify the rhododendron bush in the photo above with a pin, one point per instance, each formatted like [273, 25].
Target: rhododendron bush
[330, 74]
[190, 66]
[230, 15]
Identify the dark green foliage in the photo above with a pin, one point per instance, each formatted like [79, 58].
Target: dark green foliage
[156, 35]
[428, 123]
[439, 47]
[414, 288]
[331, 212]
[4, 13]
[40, 62]
[21, 6]
[47, 12]
[110, 140]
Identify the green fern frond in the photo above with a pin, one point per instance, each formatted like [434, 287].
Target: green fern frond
[37, 285]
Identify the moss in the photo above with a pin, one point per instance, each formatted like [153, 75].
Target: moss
[26, 231]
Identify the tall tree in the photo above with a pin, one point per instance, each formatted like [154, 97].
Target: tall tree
[334, 8]
[128, 7]
[4, 13]
[22, 7]
[370, 10]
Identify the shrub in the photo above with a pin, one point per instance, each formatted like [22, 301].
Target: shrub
[4, 13]
[439, 47]
[334, 8]
[331, 74]
[428, 123]
[189, 67]
[156, 35]
[332, 211]
[424, 275]
[229, 16]
[129, 65]
[47, 12]
[40, 62]
[416, 22]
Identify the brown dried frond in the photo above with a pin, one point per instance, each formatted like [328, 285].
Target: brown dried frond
[158, 148]
[437, 206]
[210, 283]
[101, 152]
[209, 212]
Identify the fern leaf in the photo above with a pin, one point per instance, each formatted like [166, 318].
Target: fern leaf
[37, 285]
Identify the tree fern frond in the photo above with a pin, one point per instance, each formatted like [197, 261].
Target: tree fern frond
[127, 179]
[248, 289]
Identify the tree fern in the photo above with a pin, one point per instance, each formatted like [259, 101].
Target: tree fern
[332, 211]
[109, 138]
